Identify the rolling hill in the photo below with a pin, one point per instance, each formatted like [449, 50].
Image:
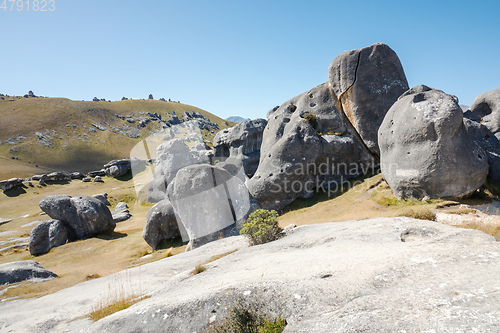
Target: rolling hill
[64, 135]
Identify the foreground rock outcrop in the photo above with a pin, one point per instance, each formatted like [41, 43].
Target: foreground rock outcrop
[25, 270]
[425, 150]
[375, 275]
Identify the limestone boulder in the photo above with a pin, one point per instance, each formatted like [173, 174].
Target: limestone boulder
[367, 82]
[306, 146]
[425, 150]
[83, 216]
[161, 224]
[47, 235]
[19, 271]
[209, 202]
[242, 143]
[486, 110]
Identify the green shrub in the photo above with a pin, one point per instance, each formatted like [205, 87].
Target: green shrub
[243, 318]
[311, 119]
[262, 227]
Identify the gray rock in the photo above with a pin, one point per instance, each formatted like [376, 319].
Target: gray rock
[83, 216]
[426, 151]
[121, 216]
[87, 180]
[367, 82]
[97, 173]
[98, 179]
[57, 176]
[76, 175]
[161, 224]
[103, 197]
[171, 156]
[47, 235]
[18, 271]
[121, 206]
[9, 184]
[300, 156]
[209, 203]
[242, 143]
[486, 110]
[489, 142]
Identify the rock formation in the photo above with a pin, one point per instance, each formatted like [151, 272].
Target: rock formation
[18, 271]
[161, 224]
[240, 145]
[367, 82]
[425, 151]
[47, 235]
[83, 216]
[306, 146]
[486, 110]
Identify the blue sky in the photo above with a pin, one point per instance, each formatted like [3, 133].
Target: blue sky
[240, 57]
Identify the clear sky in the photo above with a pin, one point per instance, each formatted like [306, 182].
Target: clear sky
[239, 57]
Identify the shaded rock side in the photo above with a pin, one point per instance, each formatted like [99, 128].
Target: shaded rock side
[19, 271]
[241, 144]
[161, 224]
[47, 235]
[486, 110]
[367, 82]
[306, 146]
[426, 151]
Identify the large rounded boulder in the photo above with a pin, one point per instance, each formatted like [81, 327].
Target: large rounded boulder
[209, 202]
[425, 150]
[83, 216]
[47, 235]
[367, 82]
[161, 224]
[306, 147]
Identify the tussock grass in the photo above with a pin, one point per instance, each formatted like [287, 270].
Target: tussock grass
[198, 269]
[121, 295]
[201, 267]
[424, 214]
[490, 229]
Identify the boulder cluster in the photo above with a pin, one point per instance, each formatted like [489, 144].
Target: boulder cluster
[363, 118]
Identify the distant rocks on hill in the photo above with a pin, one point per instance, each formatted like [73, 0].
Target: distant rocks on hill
[237, 119]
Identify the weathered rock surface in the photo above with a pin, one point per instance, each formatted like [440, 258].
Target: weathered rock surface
[209, 202]
[426, 151]
[19, 271]
[171, 156]
[161, 224]
[83, 216]
[242, 144]
[47, 235]
[376, 275]
[121, 212]
[486, 110]
[306, 145]
[103, 197]
[117, 168]
[489, 142]
[367, 82]
[9, 184]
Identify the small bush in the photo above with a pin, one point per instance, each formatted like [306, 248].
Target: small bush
[244, 318]
[311, 119]
[425, 214]
[198, 269]
[262, 227]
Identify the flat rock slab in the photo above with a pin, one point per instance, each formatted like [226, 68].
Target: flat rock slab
[376, 275]
[19, 271]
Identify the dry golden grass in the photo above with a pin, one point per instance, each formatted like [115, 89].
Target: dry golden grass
[201, 267]
[489, 229]
[77, 261]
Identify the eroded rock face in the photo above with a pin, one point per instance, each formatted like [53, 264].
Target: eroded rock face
[171, 156]
[426, 151]
[489, 142]
[305, 146]
[367, 82]
[161, 224]
[209, 202]
[486, 110]
[47, 235]
[83, 216]
[117, 168]
[242, 144]
[9, 184]
[19, 271]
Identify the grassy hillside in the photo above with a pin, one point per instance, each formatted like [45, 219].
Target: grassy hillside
[69, 140]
